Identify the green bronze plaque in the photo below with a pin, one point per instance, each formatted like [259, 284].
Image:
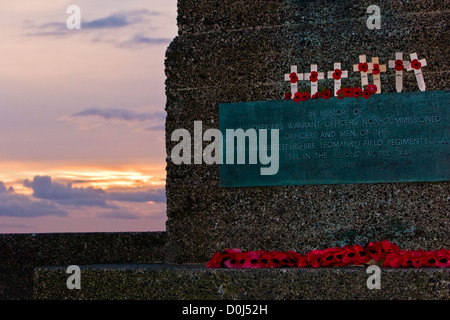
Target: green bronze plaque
[395, 137]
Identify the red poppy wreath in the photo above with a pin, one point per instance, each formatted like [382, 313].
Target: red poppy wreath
[383, 253]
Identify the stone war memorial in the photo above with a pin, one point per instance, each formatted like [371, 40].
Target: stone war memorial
[308, 147]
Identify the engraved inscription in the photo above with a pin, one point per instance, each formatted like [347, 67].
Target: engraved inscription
[392, 137]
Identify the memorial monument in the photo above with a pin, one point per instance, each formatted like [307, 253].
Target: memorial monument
[293, 126]
[351, 170]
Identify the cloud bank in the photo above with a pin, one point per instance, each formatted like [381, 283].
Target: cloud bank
[44, 188]
[51, 198]
[17, 205]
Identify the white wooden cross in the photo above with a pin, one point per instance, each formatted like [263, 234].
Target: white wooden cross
[398, 64]
[314, 83]
[417, 65]
[377, 77]
[337, 78]
[294, 85]
[364, 74]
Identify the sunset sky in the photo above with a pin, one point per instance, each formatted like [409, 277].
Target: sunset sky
[82, 115]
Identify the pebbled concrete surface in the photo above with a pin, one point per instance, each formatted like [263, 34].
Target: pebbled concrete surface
[237, 50]
[196, 282]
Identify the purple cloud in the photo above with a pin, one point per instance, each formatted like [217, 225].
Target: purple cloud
[52, 198]
[140, 121]
[17, 205]
[117, 20]
[155, 195]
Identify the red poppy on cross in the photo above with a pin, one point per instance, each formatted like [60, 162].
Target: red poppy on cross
[363, 67]
[314, 77]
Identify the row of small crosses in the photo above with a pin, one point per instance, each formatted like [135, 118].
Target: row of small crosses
[365, 68]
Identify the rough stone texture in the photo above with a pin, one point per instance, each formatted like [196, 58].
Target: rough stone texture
[21, 253]
[193, 282]
[232, 51]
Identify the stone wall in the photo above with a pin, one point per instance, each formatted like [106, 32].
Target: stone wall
[236, 51]
[192, 282]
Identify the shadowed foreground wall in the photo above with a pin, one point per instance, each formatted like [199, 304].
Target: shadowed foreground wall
[192, 282]
[237, 51]
[20, 254]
